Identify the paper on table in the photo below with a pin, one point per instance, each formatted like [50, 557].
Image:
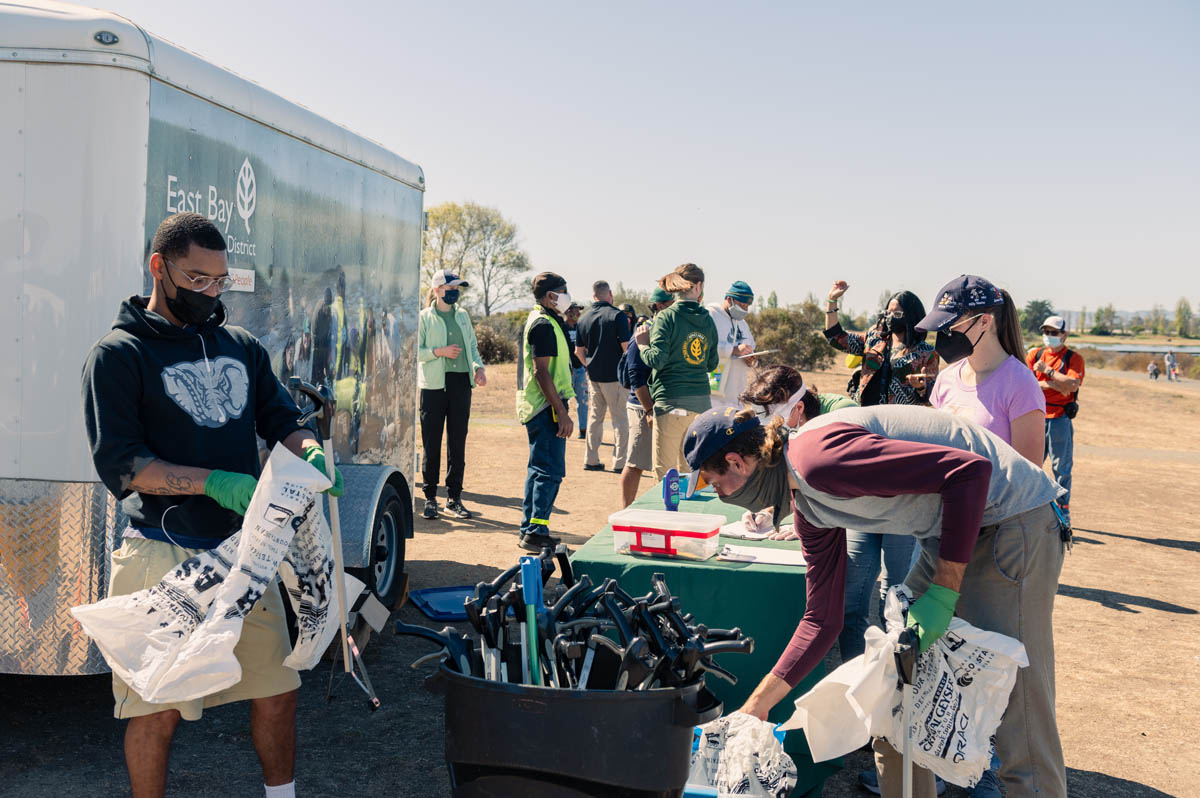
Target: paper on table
[737, 529]
[763, 555]
[756, 354]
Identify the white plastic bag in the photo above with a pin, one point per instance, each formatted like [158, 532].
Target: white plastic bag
[962, 687]
[740, 755]
[175, 641]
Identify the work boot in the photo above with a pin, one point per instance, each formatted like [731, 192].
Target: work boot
[537, 542]
[431, 509]
[456, 506]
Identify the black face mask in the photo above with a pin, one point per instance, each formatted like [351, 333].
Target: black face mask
[190, 307]
[450, 296]
[766, 488]
[953, 345]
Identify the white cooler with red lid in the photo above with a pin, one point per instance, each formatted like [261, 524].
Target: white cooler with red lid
[664, 533]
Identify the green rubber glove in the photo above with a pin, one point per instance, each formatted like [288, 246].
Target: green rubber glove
[230, 490]
[316, 455]
[931, 614]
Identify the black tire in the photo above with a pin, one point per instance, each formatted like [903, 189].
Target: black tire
[384, 573]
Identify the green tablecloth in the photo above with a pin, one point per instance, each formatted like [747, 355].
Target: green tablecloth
[766, 601]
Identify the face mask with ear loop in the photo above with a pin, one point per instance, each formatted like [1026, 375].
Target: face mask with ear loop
[783, 410]
[562, 301]
[954, 345]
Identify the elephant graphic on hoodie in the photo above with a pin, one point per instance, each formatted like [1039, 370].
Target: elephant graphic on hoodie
[211, 392]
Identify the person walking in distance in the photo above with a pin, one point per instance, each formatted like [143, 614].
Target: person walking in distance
[1060, 373]
[734, 343]
[174, 402]
[542, 407]
[1170, 366]
[681, 348]
[640, 409]
[578, 370]
[603, 338]
[450, 368]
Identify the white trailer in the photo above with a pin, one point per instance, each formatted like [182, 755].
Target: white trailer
[105, 130]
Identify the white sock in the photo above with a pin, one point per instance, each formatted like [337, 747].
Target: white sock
[282, 791]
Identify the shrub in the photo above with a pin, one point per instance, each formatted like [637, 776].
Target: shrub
[797, 332]
[495, 346]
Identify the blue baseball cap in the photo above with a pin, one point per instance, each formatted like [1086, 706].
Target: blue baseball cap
[958, 297]
[740, 291]
[711, 431]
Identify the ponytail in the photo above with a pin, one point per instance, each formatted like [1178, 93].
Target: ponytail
[683, 279]
[432, 296]
[1008, 327]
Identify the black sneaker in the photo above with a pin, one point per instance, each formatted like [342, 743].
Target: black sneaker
[537, 543]
[431, 509]
[582, 435]
[456, 506]
[596, 467]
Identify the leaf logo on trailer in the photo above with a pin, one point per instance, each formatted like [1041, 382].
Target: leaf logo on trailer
[247, 193]
[214, 205]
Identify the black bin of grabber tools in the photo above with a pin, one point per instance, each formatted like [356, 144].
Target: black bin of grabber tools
[514, 740]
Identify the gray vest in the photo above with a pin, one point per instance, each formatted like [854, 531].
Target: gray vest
[1016, 486]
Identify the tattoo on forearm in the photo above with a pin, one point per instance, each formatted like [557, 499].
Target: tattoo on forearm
[157, 490]
[180, 484]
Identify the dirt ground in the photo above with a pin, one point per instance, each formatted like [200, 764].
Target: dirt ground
[1127, 627]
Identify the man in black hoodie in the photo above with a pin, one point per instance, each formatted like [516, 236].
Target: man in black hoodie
[173, 401]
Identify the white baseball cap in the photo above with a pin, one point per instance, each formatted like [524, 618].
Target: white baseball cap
[447, 277]
[1057, 322]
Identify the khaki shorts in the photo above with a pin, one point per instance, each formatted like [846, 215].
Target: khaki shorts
[669, 431]
[264, 644]
[640, 454]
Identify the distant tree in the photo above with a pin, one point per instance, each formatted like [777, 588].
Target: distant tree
[1034, 313]
[639, 299]
[1105, 320]
[1137, 325]
[796, 331]
[1083, 319]
[448, 240]
[496, 261]
[847, 321]
[1158, 320]
[773, 301]
[478, 244]
[759, 303]
[1183, 318]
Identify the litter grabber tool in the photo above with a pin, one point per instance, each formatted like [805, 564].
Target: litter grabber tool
[531, 589]
[907, 647]
[324, 407]
[457, 647]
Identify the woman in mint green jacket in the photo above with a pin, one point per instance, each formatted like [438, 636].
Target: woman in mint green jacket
[450, 367]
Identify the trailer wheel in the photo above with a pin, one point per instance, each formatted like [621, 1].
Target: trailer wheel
[384, 572]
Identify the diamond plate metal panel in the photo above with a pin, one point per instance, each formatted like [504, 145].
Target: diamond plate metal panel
[55, 541]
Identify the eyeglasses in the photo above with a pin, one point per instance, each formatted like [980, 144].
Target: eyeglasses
[203, 283]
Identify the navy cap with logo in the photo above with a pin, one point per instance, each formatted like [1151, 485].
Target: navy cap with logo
[711, 431]
[958, 297]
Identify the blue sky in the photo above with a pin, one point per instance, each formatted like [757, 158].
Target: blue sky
[1050, 147]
